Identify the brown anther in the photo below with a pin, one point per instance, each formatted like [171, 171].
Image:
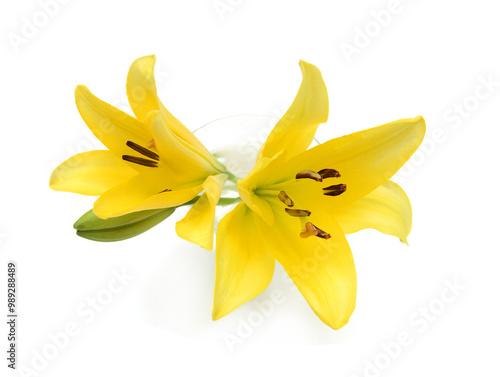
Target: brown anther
[140, 161]
[335, 190]
[298, 212]
[286, 199]
[309, 174]
[144, 151]
[166, 190]
[312, 230]
[322, 234]
[329, 173]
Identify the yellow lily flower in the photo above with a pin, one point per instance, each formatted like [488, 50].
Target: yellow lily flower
[298, 204]
[153, 161]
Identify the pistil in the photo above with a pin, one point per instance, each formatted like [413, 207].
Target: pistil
[312, 230]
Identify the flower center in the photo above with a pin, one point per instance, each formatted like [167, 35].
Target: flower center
[308, 228]
[150, 162]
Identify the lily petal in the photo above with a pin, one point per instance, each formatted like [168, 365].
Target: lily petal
[198, 225]
[364, 159]
[139, 194]
[295, 130]
[181, 163]
[168, 199]
[323, 270]
[141, 87]
[90, 173]
[387, 209]
[126, 197]
[143, 98]
[110, 125]
[244, 266]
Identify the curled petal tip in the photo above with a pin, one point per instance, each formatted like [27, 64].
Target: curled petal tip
[80, 89]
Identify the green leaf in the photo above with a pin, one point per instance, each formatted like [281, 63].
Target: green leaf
[119, 228]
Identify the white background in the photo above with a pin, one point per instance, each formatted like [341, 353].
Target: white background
[426, 59]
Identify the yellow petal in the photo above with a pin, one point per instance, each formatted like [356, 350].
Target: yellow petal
[259, 206]
[140, 194]
[172, 198]
[295, 130]
[180, 162]
[143, 98]
[387, 209]
[141, 87]
[364, 159]
[198, 225]
[90, 173]
[126, 197]
[322, 269]
[110, 125]
[243, 265]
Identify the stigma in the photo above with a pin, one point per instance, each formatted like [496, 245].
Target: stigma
[312, 230]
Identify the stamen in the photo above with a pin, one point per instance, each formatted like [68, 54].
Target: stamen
[166, 190]
[312, 230]
[329, 173]
[335, 190]
[286, 199]
[309, 174]
[140, 161]
[144, 151]
[322, 234]
[298, 212]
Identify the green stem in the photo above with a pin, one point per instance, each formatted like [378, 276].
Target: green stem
[232, 178]
[228, 201]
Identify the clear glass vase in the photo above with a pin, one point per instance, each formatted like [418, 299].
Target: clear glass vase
[235, 141]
